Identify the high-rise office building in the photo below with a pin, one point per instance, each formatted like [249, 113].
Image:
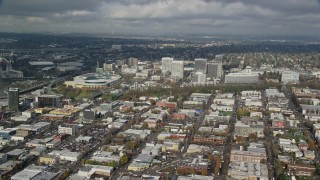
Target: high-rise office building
[166, 65]
[107, 67]
[200, 65]
[214, 70]
[199, 78]
[177, 69]
[120, 62]
[218, 58]
[13, 99]
[133, 61]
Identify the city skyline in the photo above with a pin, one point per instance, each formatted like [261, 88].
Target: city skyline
[162, 17]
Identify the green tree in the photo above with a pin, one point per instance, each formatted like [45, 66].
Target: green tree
[284, 176]
[243, 112]
[131, 145]
[144, 126]
[124, 159]
[279, 167]
[113, 164]
[106, 97]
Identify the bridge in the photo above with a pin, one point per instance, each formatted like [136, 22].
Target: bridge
[16, 79]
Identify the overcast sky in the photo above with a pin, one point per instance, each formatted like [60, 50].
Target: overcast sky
[161, 17]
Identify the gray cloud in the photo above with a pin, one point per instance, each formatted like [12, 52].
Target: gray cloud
[271, 17]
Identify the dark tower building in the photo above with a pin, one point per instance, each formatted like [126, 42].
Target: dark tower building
[13, 99]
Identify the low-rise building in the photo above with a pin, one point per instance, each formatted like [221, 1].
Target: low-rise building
[53, 144]
[3, 158]
[138, 166]
[89, 170]
[37, 151]
[171, 145]
[244, 130]
[301, 169]
[196, 149]
[195, 177]
[104, 156]
[290, 148]
[16, 153]
[152, 149]
[223, 101]
[141, 162]
[216, 107]
[7, 133]
[179, 116]
[309, 155]
[86, 139]
[193, 104]
[142, 134]
[35, 128]
[35, 172]
[316, 130]
[198, 164]
[48, 160]
[152, 123]
[247, 156]
[115, 125]
[9, 165]
[66, 155]
[68, 129]
[250, 171]
[166, 104]
[208, 139]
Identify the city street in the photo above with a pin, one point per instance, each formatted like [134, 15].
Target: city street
[228, 144]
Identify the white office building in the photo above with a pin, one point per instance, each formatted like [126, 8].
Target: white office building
[166, 65]
[244, 77]
[177, 69]
[199, 78]
[290, 77]
[125, 69]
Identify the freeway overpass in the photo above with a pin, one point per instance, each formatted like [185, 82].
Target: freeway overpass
[49, 84]
[23, 91]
